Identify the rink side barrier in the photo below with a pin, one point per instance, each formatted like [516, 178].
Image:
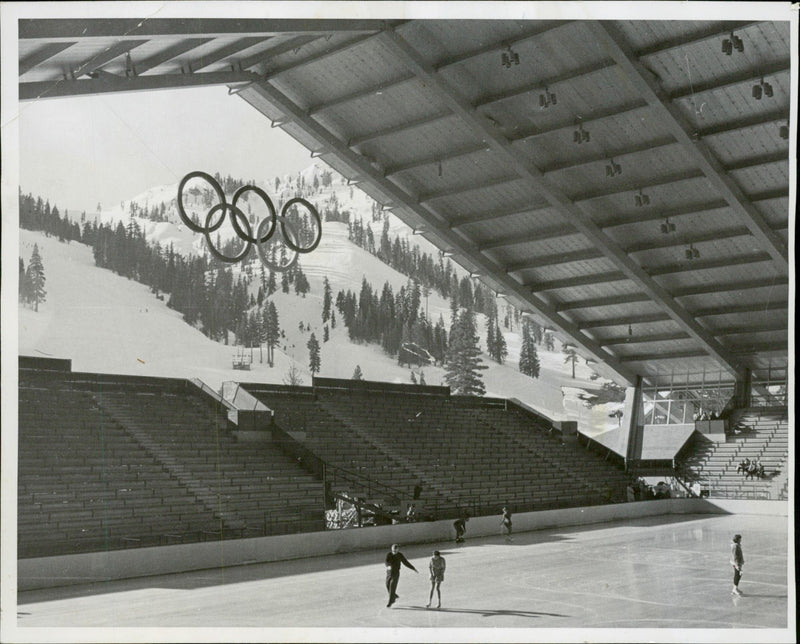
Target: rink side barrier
[65, 570]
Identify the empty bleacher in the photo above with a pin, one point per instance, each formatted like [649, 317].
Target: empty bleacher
[757, 434]
[468, 453]
[105, 465]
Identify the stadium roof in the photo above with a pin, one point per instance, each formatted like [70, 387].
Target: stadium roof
[626, 182]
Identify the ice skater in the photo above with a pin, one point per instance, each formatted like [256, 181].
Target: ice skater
[737, 561]
[436, 566]
[460, 525]
[393, 561]
[505, 524]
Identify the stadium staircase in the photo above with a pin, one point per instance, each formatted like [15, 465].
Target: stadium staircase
[758, 434]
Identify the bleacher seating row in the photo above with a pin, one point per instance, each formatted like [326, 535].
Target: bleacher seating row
[757, 434]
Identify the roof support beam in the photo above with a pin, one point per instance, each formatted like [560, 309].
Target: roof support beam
[775, 116]
[664, 180]
[403, 127]
[224, 52]
[641, 339]
[107, 83]
[434, 160]
[704, 264]
[287, 45]
[146, 64]
[596, 157]
[672, 355]
[760, 327]
[480, 217]
[673, 241]
[52, 28]
[748, 75]
[105, 57]
[460, 190]
[779, 156]
[321, 55]
[761, 307]
[729, 287]
[572, 282]
[625, 321]
[555, 260]
[592, 68]
[271, 98]
[42, 54]
[542, 234]
[720, 29]
[598, 302]
[613, 43]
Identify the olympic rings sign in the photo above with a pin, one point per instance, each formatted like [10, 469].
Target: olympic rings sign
[286, 230]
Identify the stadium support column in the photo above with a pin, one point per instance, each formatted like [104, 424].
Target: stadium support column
[635, 429]
[743, 389]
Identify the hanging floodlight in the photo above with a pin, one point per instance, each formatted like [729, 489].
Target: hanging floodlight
[641, 199]
[767, 89]
[783, 131]
[757, 92]
[737, 43]
[667, 227]
[727, 47]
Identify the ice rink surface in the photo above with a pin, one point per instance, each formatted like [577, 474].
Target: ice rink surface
[664, 572]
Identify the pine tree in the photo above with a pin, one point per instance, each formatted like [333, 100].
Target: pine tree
[570, 356]
[333, 319]
[549, 342]
[413, 378]
[272, 331]
[422, 378]
[23, 290]
[462, 372]
[35, 279]
[500, 347]
[314, 362]
[357, 375]
[327, 299]
[528, 358]
[326, 334]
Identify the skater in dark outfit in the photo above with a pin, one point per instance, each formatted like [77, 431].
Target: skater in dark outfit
[436, 566]
[505, 523]
[461, 528]
[393, 561]
[737, 561]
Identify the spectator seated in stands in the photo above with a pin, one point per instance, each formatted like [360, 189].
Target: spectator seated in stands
[714, 415]
[751, 471]
[742, 467]
[411, 514]
[662, 490]
[760, 470]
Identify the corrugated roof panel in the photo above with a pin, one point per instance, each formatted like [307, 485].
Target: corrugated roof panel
[740, 272]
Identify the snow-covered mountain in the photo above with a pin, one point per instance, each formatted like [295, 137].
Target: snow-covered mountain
[108, 323]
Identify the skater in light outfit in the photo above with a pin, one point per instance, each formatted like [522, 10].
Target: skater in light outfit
[436, 566]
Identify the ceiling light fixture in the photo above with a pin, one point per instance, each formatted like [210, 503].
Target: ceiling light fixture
[667, 227]
[547, 99]
[580, 135]
[613, 169]
[509, 57]
[692, 252]
[783, 131]
[729, 44]
[762, 87]
[641, 199]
